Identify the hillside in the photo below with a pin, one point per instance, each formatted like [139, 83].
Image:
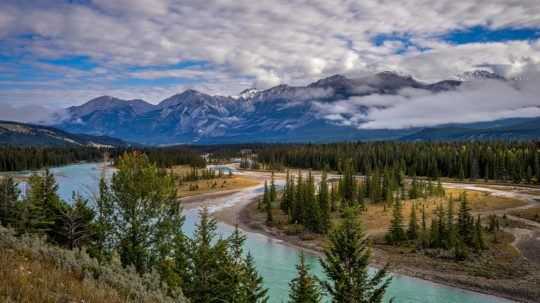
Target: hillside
[22, 134]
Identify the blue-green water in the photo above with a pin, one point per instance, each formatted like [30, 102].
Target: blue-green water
[275, 260]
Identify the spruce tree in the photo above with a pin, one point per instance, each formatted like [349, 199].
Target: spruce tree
[76, 222]
[412, 231]
[304, 287]
[9, 198]
[478, 238]
[396, 233]
[286, 197]
[253, 283]
[324, 203]
[267, 203]
[43, 204]
[273, 193]
[208, 277]
[465, 221]
[346, 263]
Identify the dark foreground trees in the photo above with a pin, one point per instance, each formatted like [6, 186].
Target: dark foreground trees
[346, 263]
[137, 221]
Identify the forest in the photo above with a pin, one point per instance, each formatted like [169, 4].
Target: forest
[517, 162]
[33, 158]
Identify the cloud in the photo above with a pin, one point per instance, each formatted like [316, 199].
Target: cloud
[474, 101]
[27, 113]
[262, 43]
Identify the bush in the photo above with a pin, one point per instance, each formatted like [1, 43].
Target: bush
[71, 275]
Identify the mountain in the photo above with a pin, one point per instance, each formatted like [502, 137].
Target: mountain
[282, 113]
[15, 133]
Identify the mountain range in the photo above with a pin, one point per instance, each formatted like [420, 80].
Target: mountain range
[279, 114]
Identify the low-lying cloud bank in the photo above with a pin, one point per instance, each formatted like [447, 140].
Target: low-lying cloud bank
[474, 101]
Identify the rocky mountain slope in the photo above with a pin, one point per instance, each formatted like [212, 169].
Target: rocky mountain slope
[280, 114]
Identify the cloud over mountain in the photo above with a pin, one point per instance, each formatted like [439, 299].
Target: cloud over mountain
[224, 46]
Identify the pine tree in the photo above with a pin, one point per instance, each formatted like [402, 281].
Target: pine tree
[43, 204]
[76, 221]
[208, 278]
[286, 197]
[304, 287]
[273, 193]
[412, 231]
[465, 221]
[478, 238]
[253, 283]
[425, 235]
[267, 203]
[395, 233]
[450, 226]
[312, 213]
[346, 265]
[324, 203]
[9, 198]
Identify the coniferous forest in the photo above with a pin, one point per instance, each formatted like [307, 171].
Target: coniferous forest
[517, 162]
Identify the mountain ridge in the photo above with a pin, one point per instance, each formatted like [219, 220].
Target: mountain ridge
[282, 113]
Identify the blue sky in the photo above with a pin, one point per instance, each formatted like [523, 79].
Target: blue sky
[59, 53]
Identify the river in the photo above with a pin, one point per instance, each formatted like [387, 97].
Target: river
[275, 260]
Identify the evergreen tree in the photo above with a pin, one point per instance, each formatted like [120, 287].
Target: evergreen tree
[104, 223]
[273, 193]
[465, 221]
[76, 221]
[478, 238]
[312, 214]
[412, 231]
[346, 265]
[450, 226]
[304, 287]
[43, 205]
[286, 196]
[207, 281]
[253, 285]
[396, 233]
[9, 197]
[267, 203]
[324, 203]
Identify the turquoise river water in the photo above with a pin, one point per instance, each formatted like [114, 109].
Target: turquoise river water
[275, 260]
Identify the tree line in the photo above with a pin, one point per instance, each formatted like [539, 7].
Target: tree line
[517, 162]
[136, 219]
[33, 158]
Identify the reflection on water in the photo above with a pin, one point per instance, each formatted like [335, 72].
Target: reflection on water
[275, 260]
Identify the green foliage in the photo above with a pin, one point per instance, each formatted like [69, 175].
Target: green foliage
[346, 265]
[504, 161]
[304, 287]
[396, 233]
[216, 269]
[143, 212]
[9, 198]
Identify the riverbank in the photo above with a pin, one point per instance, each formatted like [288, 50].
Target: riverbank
[402, 263]
[517, 287]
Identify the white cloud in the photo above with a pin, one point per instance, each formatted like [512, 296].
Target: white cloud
[266, 42]
[474, 101]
